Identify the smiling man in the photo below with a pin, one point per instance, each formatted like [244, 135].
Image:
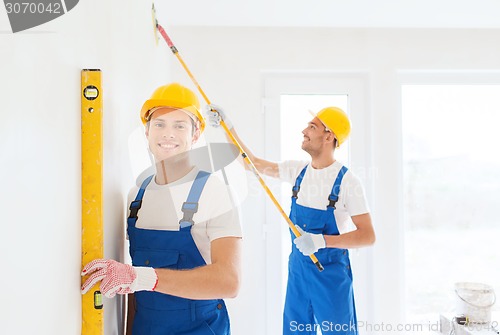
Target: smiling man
[183, 230]
[330, 210]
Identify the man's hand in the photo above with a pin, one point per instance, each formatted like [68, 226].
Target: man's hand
[215, 115]
[118, 278]
[309, 243]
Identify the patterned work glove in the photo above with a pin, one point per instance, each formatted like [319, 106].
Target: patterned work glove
[309, 243]
[215, 115]
[118, 278]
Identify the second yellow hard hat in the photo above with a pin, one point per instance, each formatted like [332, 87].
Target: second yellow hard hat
[336, 120]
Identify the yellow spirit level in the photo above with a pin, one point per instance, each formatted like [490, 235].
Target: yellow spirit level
[92, 213]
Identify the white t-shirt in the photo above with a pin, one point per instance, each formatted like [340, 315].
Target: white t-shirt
[317, 185]
[217, 214]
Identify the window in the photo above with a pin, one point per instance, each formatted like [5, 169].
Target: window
[451, 188]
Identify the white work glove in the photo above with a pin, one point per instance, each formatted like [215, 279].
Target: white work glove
[118, 278]
[215, 115]
[309, 243]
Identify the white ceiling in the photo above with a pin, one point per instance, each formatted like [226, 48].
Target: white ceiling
[331, 13]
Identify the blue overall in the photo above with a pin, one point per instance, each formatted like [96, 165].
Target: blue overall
[319, 300]
[163, 314]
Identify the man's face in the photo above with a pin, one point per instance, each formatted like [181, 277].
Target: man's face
[170, 132]
[315, 137]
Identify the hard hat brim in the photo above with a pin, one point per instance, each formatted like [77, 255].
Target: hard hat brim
[152, 105]
[316, 115]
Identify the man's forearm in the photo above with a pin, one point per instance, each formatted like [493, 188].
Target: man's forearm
[263, 166]
[212, 281]
[363, 236]
[353, 239]
[218, 280]
[242, 144]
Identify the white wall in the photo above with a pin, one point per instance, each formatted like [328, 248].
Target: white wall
[40, 153]
[228, 63]
[333, 13]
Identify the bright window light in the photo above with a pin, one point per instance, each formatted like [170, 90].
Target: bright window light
[452, 191]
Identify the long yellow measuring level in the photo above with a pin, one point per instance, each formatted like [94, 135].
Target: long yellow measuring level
[92, 213]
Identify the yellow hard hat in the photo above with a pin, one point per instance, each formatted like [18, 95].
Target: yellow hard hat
[336, 120]
[173, 95]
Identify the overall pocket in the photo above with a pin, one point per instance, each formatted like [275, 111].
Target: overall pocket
[157, 259]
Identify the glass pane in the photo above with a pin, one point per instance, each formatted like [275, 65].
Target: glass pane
[452, 191]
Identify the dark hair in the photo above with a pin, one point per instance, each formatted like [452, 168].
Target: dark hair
[193, 124]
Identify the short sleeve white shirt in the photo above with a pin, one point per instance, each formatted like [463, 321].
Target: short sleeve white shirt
[317, 185]
[217, 215]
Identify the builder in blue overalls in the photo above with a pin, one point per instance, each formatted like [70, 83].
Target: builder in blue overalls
[183, 230]
[330, 211]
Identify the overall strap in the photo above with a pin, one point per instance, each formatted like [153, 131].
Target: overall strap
[334, 195]
[136, 204]
[298, 181]
[190, 207]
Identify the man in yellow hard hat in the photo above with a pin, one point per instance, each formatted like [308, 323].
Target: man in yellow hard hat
[330, 211]
[183, 230]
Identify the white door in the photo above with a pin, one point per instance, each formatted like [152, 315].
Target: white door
[287, 98]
